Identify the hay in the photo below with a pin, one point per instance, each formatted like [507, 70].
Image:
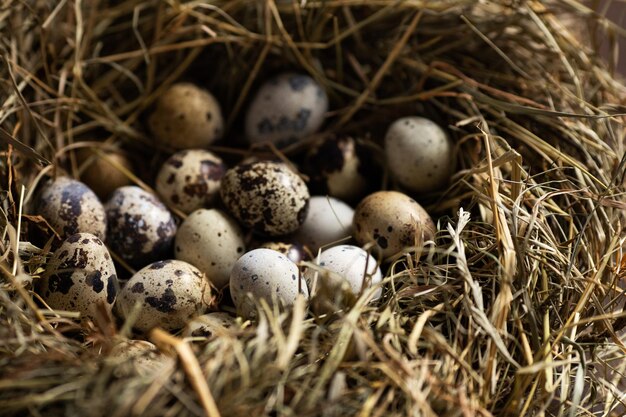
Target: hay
[516, 310]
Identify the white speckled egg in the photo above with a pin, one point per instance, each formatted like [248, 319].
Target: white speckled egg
[170, 293]
[212, 242]
[288, 107]
[292, 250]
[352, 264]
[186, 116]
[190, 179]
[327, 221]
[138, 356]
[209, 325]
[393, 221]
[141, 229]
[267, 274]
[79, 276]
[266, 196]
[419, 154]
[71, 207]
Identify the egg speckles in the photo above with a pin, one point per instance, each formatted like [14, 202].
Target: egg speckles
[418, 153]
[286, 108]
[265, 274]
[190, 179]
[186, 116]
[170, 293]
[79, 276]
[209, 325]
[292, 250]
[266, 196]
[71, 207]
[211, 241]
[393, 221]
[141, 229]
[328, 221]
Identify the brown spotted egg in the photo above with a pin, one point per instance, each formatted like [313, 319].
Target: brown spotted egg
[292, 250]
[169, 293]
[265, 274]
[209, 325]
[141, 229]
[393, 221]
[419, 154]
[71, 207]
[190, 179]
[186, 116]
[79, 276]
[266, 196]
[138, 357]
[211, 241]
[288, 107]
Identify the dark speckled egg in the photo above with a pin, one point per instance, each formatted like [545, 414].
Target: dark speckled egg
[71, 207]
[141, 229]
[292, 250]
[170, 293]
[286, 108]
[190, 179]
[79, 275]
[266, 196]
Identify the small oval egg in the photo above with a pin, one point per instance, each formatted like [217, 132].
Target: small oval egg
[190, 179]
[211, 241]
[170, 293]
[266, 196]
[265, 274]
[141, 229]
[328, 221]
[186, 116]
[71, 207]
[292, 250]
[288, 107]
[209, 325]
[419, 154]
[138, 356]
[79, 276]
[393, 221]
[100, 171]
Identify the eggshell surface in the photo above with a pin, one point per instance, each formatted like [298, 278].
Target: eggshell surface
[328, 220]
[209, 325]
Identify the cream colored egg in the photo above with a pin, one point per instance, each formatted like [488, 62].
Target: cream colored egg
[209, 325]
[79, 276]
[419, 154]
[186, 116]
[101, 172]
[140, 357]
[327, 222]
[393, 221]
[292, 250]
[211, 241]
[169, 293]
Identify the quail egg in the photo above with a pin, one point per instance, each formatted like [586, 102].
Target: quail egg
[141, 229]
[328, 221]
[138, 356]
[266, 196]
[190, 179]
[71, 207]
[419, 154]
[186, 116]
[170, 293]
[286, 108]
[209, 324]
[79, 276]
[266, 274]
[292, 250]
[393, 221]
[211, 241]
[99, 172]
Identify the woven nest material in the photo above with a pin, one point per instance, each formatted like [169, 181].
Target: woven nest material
[515, 309]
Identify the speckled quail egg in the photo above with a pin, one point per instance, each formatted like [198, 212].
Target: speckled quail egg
[71, 207]
[186, 116]
[211, 241]
[79, 276]
[100, 173]
[393, 221]
[190, 179]
[419, 154]
[138, 356]
[346, 263]
[265, 274]
[266, 196]
[292, 250]
[288, 107]
[328, 221]
[141, 229]
[170, 293]
[341, 168]
[209, 324]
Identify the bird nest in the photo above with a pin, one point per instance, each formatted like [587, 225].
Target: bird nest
[513, 309]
